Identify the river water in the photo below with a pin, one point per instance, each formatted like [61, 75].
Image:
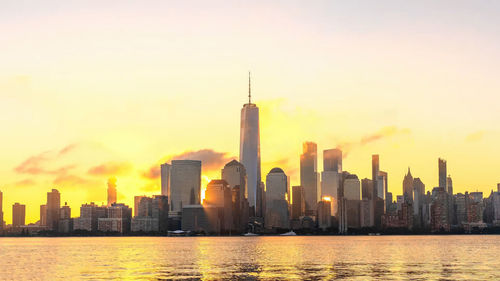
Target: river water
[252, 258]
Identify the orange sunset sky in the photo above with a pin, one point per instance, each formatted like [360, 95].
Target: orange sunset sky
[95, 89]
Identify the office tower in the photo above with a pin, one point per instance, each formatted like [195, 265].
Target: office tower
[352, 187]
[219, 194]
[324, 213]
[367, 189]
[65, 212]
[1, 210]
[381, 185]
[234, 174]
[137, 201]
[498, 187]
[250, 153]
[18, 214]
[53, 206]
[43, 215]
[165, 179]
[366, 212]
[276, 200]
[118, 219]
[408, 187]
[375, 174]
[449, 185]
[418, 195]
[332, 160]
[298, 202]
[185, 184]
[89, 216]
[309, 176]
[330, 185]
[111, 191]
[442, 173]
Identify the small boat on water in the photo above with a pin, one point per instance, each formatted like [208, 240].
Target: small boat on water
[289, 233]
[250, 234]
[373, 234]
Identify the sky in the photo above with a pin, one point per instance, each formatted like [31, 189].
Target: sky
[95, 89]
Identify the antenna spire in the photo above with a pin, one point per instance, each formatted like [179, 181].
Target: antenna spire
[249, 89]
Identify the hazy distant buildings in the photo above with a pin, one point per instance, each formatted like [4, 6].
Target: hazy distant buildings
[111, 191]
[18, 215]
[408, 187]
[352, 187]
[250, 153]
[324, 213]
[43, 215]
[53, 208]
[185, 184]
[309, 176]
[277, 184]
[442, 173]
[165, 179]
[440, 210]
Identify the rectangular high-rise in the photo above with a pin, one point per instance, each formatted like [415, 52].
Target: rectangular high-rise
[165, 179]
[18, 215]
[309, 176]
[298, 202]
[250, 154]
[442, 173]
[332, 160]
[185, 184]
[53, 209]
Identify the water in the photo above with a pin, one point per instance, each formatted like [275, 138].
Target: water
[252, 258]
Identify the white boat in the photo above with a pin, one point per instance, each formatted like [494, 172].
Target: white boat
[250, 234]
[289, 233]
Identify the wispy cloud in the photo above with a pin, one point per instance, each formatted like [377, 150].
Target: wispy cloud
[110, 169]
[475, 136]
[384, 133]
[211, 160]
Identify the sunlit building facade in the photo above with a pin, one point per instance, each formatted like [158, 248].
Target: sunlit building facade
[277, 215]
[185, 184]
[309, 176]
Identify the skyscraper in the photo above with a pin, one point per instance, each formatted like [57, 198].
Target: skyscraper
[276, 199]
[449, 185]
[352, 187]
[250, 153]
[330, 185]
[442, 173]
[43, 214]
[185, 183]
[111, 191]
[53, 209]
[165, 179]
[332, 160]
[309, 176]
[298, 202]
[18, 215]
[408, 187]
[219, 194]
[375, 174]
[235, 175]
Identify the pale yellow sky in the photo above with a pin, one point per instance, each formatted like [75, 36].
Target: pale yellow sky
[127, 85]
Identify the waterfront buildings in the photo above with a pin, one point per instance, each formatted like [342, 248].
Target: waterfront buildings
[117, 220]
[1, 211]
[89, 216]
[165, 179]
[298, 202]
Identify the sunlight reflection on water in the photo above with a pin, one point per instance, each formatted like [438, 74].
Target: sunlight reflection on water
[252, 258]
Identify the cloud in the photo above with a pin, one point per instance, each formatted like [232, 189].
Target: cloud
[475, 137]
[67, 149]
[210, 159]
[110, 168]
[384, 133]
[38, 164]
[25, 182]
[70, 180]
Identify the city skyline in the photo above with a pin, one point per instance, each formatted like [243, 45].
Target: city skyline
[81, 112]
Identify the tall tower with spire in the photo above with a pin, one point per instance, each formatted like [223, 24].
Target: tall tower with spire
[250, 152]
